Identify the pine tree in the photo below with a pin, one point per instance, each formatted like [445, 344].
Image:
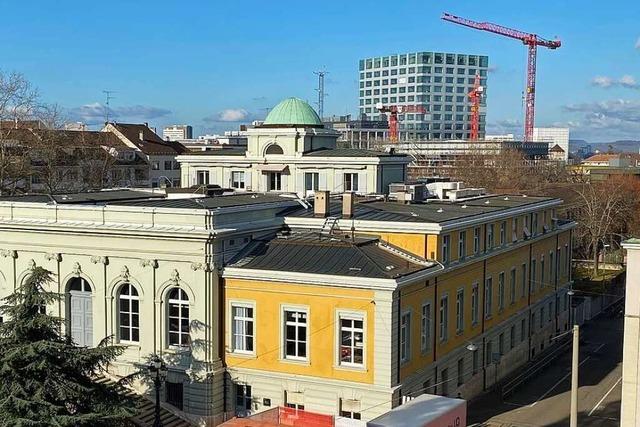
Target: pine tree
[46, 380]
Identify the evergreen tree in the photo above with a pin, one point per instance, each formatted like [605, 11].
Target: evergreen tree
[46, 380]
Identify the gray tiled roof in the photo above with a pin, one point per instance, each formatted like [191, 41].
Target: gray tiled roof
[207, 202]
[314, 254]
[87, 197]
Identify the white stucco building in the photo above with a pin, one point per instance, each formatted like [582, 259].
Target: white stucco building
[629, 413]
[292, 152]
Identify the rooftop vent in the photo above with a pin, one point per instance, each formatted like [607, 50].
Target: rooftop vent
[355, 269]
[464, 206]
[440, 210]
[486, 202]
[390, 267]
[506, 198]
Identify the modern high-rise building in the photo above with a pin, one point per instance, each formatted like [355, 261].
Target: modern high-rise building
[439, 82]
[553, 136]
[177, 132]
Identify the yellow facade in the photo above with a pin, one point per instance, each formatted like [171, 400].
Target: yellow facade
[323, 305]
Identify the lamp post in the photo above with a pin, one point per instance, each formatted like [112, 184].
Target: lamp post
[158, 373]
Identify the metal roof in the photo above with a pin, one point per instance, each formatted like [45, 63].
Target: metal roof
[315, 254]
[87, 197]
[431, 212]
[207, 202]
[351, 152]
[293, 111]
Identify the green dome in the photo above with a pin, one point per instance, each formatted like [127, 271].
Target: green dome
[292, 112]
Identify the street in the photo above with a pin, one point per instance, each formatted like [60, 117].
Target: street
[545, 400]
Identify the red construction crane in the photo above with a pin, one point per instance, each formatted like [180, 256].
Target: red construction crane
[393, 111]
[532, 41]
[475, 95]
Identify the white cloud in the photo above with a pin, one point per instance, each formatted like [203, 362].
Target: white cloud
[230, 115]
[626, 81]
[505, 126]
[602, 81]
[638, 43]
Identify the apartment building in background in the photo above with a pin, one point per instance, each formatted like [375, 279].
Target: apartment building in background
[177, 132]
[160, 155]
[437, 81]
[554, 136]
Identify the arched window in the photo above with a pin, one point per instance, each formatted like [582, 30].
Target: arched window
[274, 149]
[129, 313]
[178, 317]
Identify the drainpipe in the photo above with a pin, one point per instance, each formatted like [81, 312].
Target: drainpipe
[399, 332]
[529, 302]
[435, 337]
[482, 317]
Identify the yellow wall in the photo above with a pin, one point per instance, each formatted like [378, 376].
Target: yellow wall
[412, 243]
[322, 303]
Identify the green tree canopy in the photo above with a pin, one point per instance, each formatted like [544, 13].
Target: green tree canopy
[46, 380]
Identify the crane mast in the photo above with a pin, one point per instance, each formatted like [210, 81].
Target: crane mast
[532, 41]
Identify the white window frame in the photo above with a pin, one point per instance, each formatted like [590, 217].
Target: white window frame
[488, 297]
[241, 183]
[490, 232]
[425, 327]
[315, 181]
[353, 316]
[476, 240]
[350, 181]
[446, 248]
[501, 291]
[460, 310]
[503, 233]
[462, 245]
[181, 305]
[475, 303]
[232, 321]
[284, 323]
[443, 310]
[277, 181]
[405, 337]
[512, 284]
[130, 313]
[206, 177]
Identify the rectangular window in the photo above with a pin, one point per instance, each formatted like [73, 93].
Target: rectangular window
[275, 181]
[503, 233]
[475, 304]
[311, 180]
[514, 229]
[405, 337]
[425, 327]
[295, 334]
[532, 280]
[444, 379]
[202, 177]
[489, 352]
[351, 340]
[552, 270]
[523, 329]
[237, 179]
[350, 408]
[512, 337]
[542, 282]
[488, 296]
[444, 317]
[523, 280]
[460, 372]
[460, 310]
[174, 394]
[501, 343]
[512, 285]
[350, 182]
[475, 361]
[294, 400]
[155, 166]
[489, 245]
[535, 224]
[462, 245]
[242, 329]
[476, 240]
[445, 248]
[501, 291]
[243, 397]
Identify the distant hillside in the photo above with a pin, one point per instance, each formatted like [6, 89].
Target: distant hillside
[623, 146]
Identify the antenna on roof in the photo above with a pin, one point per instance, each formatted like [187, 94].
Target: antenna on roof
[321, 93]
[108, 97]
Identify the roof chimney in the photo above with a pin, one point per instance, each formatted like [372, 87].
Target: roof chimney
[141, 135]
[347, 204]
[321, 204]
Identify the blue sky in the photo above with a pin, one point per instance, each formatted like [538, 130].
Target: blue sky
[208, 63]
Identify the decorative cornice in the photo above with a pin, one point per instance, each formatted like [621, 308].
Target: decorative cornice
[96, 259]
[53, 256]
[8, 253]
[204, 266]
[153, 263]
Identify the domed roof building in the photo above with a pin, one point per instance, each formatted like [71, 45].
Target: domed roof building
[293, 152]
